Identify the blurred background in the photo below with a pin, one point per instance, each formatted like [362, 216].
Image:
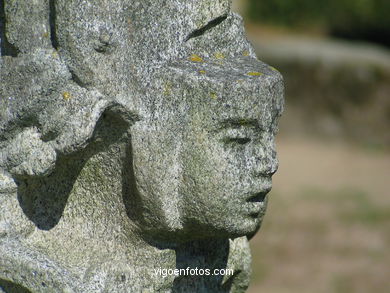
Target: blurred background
[327, 228]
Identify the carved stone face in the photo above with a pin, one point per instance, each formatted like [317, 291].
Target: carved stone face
[227, 169]
[206, 163]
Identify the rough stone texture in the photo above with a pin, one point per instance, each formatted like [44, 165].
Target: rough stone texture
[134, 135]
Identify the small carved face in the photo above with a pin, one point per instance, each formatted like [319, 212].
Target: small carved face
[212, 152]
[228, 161]
[227, 176]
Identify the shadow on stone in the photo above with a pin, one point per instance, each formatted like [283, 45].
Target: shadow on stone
[9, 287]
[205, 256]
[6, 48]
[130, 195]
[43, 199]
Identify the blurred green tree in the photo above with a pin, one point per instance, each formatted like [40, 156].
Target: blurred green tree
[356, 19]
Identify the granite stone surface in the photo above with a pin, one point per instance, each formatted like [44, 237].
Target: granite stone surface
[134, 136]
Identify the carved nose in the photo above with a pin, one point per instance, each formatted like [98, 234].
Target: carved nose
[267, 168]
[266, 163]
[273, 168]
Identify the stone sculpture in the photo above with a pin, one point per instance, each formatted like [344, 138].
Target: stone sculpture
[135, 137]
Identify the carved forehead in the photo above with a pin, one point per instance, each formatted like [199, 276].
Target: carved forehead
[225, 90]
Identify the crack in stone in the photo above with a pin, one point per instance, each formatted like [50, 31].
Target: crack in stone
[201, 31]
[52, 21]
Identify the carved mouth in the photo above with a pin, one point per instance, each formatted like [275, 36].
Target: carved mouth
[258, 197]
[256, 204]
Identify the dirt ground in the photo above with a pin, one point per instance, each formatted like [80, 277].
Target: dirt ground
[327, 227]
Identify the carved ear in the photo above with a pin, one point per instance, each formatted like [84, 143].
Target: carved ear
[63, 128]
[25, 26]
[83, 127]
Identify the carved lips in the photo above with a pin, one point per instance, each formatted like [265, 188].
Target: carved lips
[256, 202]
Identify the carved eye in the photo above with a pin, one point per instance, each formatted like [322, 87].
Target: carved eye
[237, 140]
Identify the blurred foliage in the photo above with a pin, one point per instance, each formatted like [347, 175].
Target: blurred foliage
[355, 19]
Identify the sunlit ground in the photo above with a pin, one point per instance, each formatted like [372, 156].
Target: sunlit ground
[328, 223]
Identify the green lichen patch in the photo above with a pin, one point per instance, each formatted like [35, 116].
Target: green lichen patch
[255, 73]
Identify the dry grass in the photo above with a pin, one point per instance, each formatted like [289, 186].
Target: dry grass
[328, 222]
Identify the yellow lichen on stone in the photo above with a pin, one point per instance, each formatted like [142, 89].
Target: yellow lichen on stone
[66, 95]
[167, 89]
[254, 73]
[202, 71]
[219, 55]
[45, 35]
[196, 58]
[245, 53]
[55, 54]
[213, 96]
